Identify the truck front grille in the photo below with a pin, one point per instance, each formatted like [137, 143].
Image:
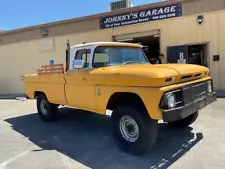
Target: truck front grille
[194, 92]
[188, 94]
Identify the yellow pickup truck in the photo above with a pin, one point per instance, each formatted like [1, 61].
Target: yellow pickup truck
[104, 76]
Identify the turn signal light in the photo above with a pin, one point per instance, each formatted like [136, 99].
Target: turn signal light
[169, 79]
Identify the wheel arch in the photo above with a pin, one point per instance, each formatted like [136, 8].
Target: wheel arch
[126, 98]
[36, 93]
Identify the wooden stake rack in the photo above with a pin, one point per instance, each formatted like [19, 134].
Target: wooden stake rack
[51, 69]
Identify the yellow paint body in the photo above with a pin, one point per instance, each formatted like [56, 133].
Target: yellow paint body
[91, 89]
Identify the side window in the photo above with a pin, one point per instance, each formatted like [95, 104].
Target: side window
[84, 54]
[79, 54]
[88, 56]
[101, 58]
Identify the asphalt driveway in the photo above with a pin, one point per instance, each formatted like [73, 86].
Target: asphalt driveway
[83, 140]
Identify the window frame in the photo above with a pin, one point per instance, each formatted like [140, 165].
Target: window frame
[92, 64]
[86, 51]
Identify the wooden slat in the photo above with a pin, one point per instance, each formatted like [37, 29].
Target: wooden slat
[51, 69]
[55, 65]
[55, 69]
[49, 73]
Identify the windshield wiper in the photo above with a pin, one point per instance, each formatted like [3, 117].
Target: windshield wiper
[128, 62]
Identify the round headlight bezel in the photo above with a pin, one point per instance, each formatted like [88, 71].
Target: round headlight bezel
[171, 101]
[167, 104]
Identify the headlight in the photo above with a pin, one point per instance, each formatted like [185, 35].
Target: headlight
[209, 86]
[169, 101]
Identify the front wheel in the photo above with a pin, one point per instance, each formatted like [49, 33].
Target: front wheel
[134, 131]
[46, 110]
[186, 121]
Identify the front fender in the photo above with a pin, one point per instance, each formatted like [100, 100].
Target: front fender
[150, 97]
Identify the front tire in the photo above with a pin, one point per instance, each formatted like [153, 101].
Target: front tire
[46, 110]
[134, 131]
[186, 121]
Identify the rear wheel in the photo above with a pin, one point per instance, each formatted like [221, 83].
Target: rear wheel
[186, 121]
[46, 110]
[134, 131]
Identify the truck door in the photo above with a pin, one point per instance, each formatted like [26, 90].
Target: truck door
[80, 87]
[177, 54]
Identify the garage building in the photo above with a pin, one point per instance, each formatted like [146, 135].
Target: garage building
[185, 31]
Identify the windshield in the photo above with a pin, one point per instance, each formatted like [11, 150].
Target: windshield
[108, 55]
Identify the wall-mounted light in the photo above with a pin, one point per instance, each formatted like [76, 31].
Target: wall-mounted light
[200, 19]
[44, 32]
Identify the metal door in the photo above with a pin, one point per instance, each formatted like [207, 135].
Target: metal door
[177, 54]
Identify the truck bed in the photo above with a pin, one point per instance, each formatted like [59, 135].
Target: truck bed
[49, 79]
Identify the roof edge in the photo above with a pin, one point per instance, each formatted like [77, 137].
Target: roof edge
[107, 44]
[94, 16]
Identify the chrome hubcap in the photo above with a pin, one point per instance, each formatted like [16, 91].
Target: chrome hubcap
[129, 128]
[43, 106]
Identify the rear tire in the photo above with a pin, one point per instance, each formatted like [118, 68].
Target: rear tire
[46, 110]
[141, 137]
[186, 121]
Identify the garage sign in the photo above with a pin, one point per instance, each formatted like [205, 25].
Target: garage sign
[141, 16]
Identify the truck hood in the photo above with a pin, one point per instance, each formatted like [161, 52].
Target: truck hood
[184, 69]
[151, 75]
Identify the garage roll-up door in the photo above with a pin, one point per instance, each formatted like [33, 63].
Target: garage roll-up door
[129, 36]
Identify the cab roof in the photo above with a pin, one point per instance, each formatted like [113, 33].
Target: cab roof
[108, 44]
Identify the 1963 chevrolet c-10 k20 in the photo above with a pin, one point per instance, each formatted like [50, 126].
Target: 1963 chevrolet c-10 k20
[114, 76]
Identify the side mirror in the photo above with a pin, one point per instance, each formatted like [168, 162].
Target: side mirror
[145, 48]
[78, 64]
